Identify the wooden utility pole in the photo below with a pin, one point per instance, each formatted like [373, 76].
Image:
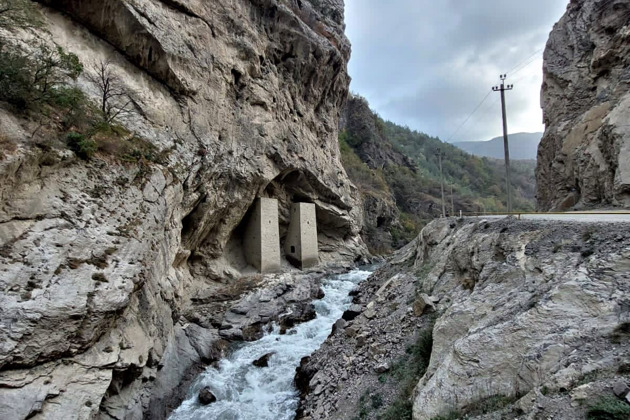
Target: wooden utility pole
[502, 88]
[439, 155]
[452, 202]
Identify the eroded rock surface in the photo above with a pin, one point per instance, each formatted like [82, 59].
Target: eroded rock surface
[583, 156]
[530, 322]
[117, 279]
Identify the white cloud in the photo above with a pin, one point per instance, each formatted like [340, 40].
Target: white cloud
[427, 64]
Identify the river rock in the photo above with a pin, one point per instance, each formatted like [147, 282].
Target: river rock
[352, 312]
[206, 396]
[263, 361]
[339, 325]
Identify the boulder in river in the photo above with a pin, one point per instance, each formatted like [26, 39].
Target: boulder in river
[263, 361]
[206, 396]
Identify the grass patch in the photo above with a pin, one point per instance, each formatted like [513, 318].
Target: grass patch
[407, 371]
[363, 410]
[400, 409]
[490, 404]
[480, 407]
[608, 408]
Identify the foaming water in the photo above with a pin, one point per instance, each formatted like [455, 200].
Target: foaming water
[245, 392]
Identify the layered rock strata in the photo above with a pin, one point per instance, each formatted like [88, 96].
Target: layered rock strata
[105, 264]
[529, 320]
[583, 159]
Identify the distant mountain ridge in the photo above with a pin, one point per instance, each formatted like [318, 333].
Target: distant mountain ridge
[522, 146]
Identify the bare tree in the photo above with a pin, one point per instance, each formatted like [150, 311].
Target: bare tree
[116, 100]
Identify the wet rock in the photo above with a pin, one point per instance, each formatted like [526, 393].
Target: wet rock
[206, 396]
[263, 361]
[299, 313]
[303, 375]
[352, 312]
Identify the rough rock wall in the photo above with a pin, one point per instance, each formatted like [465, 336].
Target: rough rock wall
[529, 320]
[380, 212]
[584, 156]
[103, 262]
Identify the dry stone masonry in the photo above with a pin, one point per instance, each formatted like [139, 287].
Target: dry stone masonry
[300, 245]
[262, 239]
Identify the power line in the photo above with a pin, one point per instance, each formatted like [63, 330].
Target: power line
[469, 116]
[527, 62]
[517, 69]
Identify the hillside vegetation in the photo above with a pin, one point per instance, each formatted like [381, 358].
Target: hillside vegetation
[400, 166]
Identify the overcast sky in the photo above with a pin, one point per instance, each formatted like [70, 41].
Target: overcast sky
[427, 64]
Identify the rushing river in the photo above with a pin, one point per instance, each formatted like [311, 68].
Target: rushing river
[245, 392]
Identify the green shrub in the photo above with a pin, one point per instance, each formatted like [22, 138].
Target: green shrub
[84, 147]
[608, 408]
[15, 80]
[407, 371]
[490, 404]
[377, 401]
[453, 415]
[44, 77]
[400, 410]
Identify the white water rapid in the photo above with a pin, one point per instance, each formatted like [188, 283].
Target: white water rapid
[245, 392]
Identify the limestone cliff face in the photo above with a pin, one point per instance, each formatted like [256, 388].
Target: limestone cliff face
[102, 263]
[584, 156]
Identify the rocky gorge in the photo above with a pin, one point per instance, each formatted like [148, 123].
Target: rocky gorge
[123, 275]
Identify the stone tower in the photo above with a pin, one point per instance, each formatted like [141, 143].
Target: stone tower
[262, 237]
[300, 246]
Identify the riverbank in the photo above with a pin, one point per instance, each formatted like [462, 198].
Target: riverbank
[245, 391]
